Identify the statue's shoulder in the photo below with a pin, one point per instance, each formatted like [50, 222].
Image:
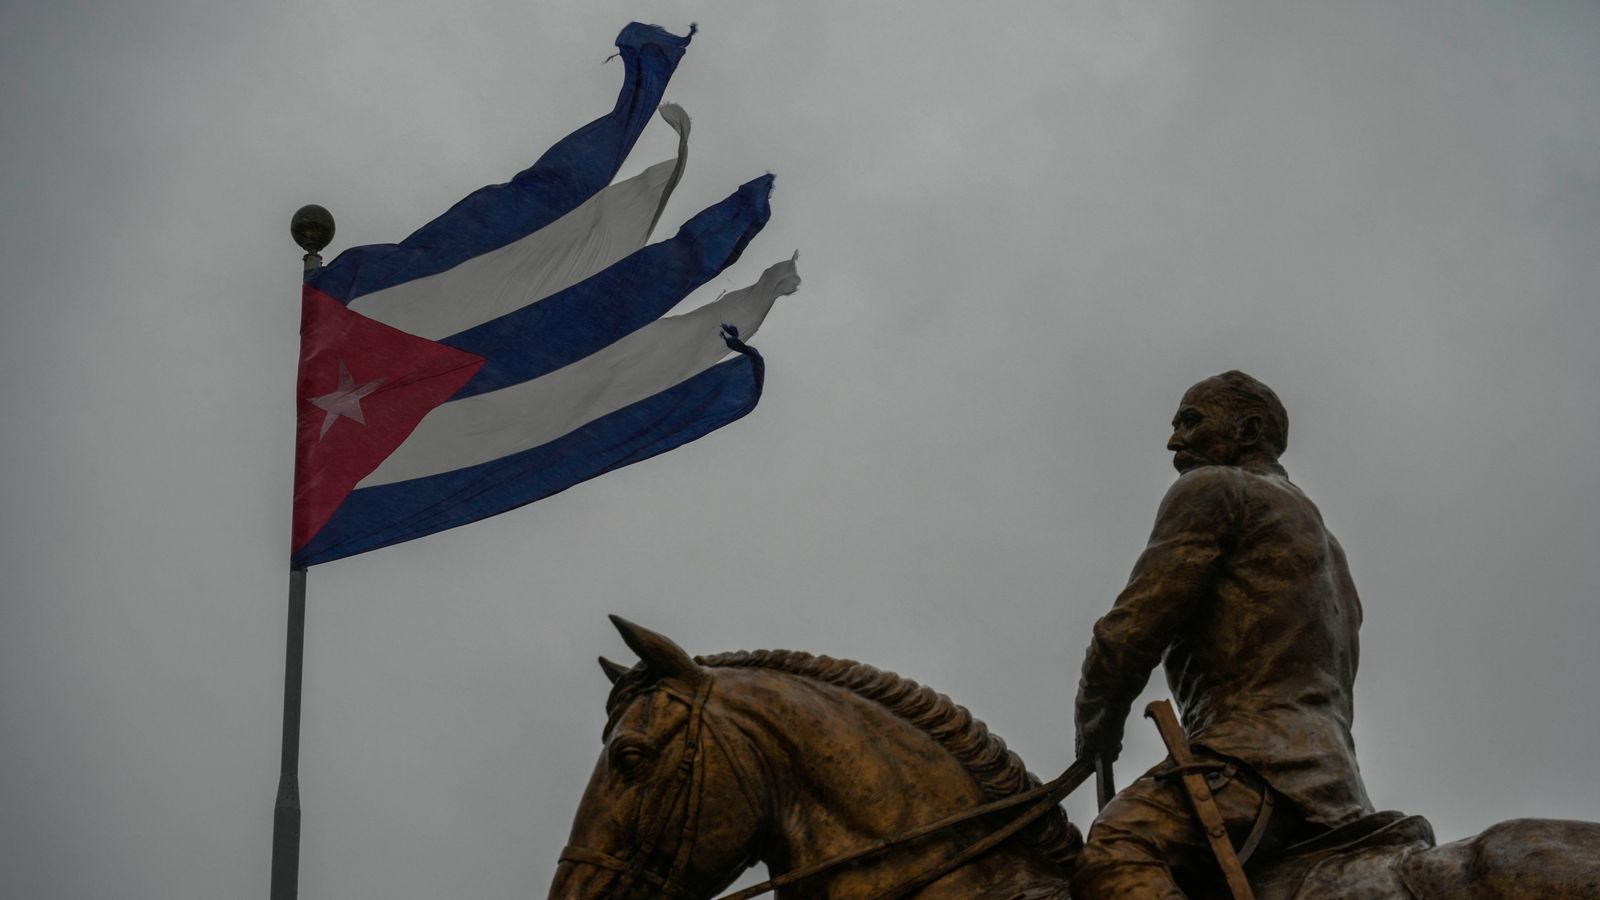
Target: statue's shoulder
[1225, 493]
[1212, 492]
[1207, 481]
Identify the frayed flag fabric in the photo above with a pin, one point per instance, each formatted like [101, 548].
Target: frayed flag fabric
[519, 343]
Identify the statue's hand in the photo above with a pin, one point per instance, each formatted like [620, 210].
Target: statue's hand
[1099, 734]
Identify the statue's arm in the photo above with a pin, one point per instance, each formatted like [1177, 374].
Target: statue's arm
[1193, 530]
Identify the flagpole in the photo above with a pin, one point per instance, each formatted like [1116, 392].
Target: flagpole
[286, 812]
[312, 228]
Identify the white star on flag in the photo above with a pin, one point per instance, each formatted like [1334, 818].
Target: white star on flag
[344, 402]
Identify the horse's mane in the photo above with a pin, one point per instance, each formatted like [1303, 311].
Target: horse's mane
[998, 770]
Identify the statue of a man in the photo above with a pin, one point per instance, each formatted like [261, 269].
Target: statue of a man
[1246, 600]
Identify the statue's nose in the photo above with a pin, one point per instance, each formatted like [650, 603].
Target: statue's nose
[1174, 443]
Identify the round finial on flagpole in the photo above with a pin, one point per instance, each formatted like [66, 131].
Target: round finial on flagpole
[312, 228]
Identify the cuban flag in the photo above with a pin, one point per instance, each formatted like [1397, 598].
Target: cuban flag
[518, 344]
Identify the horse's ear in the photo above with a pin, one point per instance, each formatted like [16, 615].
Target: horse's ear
[613, 670]
[659, 653]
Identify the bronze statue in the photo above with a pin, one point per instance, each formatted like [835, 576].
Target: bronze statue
[818, 768]
[1244, 597]
[849, 782]
[713, 765]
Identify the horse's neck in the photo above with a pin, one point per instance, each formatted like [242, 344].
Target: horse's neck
[846, 773]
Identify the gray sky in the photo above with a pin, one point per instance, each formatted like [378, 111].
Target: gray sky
[1023, 233]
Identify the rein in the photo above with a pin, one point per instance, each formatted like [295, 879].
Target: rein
[1048, 794]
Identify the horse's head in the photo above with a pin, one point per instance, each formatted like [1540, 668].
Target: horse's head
[669, 754]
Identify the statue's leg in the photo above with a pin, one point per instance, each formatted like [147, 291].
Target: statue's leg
[1145, 842]
[1126, 854]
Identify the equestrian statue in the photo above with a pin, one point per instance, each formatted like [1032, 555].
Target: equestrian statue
[851, 783]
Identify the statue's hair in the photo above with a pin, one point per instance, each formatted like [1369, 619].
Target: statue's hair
[999, 771]
[1251, 397]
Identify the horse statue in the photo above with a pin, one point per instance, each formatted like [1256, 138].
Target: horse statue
[851, 782]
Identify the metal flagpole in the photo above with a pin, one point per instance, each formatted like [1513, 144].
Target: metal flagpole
[312, 228]
[286, 812]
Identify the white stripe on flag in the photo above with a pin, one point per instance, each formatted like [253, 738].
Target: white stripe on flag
[670, 350]
[607, 227]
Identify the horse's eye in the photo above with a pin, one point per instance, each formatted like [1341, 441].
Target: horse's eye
[629, 760]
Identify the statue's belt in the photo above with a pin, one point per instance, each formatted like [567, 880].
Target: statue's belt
[1218, 774]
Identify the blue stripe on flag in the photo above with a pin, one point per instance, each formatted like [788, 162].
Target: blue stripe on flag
[379, 516]
[567, 174]
[571, 324]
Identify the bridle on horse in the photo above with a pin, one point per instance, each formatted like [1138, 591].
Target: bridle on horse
[689, 780]
[690, 775]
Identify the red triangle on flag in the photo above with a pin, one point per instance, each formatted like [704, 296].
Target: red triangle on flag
[363, 388]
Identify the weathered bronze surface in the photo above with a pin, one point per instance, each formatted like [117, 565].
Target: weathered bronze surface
[1244, 597]
[799, 759]
[795, 759]
[850, 782]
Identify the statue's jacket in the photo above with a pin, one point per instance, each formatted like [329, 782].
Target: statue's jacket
[1246, 599]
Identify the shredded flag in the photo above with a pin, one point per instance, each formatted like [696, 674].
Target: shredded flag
[518, 344]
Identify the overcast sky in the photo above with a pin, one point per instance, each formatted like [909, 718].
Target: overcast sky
[1024, 230]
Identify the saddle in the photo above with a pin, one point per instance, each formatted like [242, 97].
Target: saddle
[1352, 862]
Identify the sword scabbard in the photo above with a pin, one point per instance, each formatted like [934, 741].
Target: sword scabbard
[1199, 793]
